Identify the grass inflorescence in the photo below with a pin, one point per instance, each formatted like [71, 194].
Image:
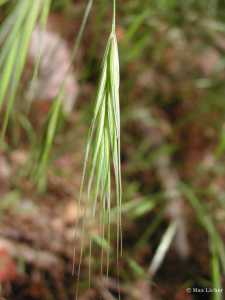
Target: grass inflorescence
[102, 158]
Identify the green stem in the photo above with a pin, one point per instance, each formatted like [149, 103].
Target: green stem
[81, 31]
[114, 17]
[78, 40]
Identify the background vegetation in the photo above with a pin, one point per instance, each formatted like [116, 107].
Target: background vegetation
[172, 101]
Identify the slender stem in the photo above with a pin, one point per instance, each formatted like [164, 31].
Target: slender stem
[77, 41]
[114, 16]
[81, 31]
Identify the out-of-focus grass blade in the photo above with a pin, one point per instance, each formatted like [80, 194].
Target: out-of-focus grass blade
[137, 49]
[136, 268]
[27, 126]
[7, 71]
[16, 33]
[150, 229]
[45, 12]
[206, 222]
[101, 242]
[11, 29]
[3, 2]
[216, 274]
[137, 21]
[55, 115]
[162, 248]
[24, 37]
[221, 145]
[135, 208]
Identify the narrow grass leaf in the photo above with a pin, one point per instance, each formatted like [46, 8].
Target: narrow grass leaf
[206, 222]
[216, 274]
[162, 248]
